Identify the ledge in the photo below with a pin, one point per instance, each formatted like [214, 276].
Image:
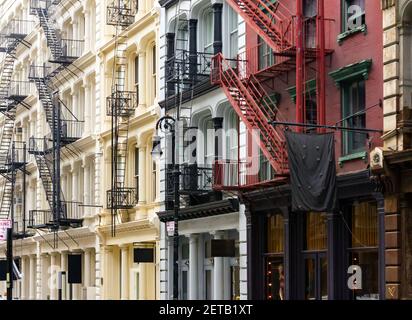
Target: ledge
[344, 35]
[354, 156]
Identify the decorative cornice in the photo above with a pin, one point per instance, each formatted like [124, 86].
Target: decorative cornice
[310, 88]
[353, 71]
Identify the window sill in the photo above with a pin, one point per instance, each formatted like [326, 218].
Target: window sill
[354, 156]
[343, 36]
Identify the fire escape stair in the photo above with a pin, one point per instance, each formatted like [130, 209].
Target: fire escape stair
[255, 108]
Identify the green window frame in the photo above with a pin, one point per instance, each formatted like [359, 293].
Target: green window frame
[351, 80]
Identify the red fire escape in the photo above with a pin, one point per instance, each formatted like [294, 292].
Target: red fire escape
[242, 79]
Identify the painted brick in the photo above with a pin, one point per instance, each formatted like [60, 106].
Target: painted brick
[393, 257]
[393, 274]
[392, 239]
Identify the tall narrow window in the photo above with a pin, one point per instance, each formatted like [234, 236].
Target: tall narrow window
[136, 74]
[154, 181]
[266, 57]
[233, 32]
[354, 113]
[136, 172]
[208, 27]
[154, 66]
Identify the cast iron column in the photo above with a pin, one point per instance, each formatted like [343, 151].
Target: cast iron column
[217, 24]
[193, 50]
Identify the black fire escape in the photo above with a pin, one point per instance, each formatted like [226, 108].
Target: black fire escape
[65, 127]
[121, 105]
[12, 153]
[187, 76]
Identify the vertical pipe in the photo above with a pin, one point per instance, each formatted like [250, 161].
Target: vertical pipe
[300, 56]
[321, 68]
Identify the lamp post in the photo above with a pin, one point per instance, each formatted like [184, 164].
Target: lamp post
[167, 124]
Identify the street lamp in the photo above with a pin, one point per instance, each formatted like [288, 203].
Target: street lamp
[167, 125]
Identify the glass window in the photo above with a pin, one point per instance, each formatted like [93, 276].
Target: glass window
[315, 229]
[364, 248]
[209, 144]
[154, 181]
[182, 37]
[275, 234]
[208, 28]
[154, 70]
[184, 285]
[136, 74]
[208, 285]
[266, 57]
[235, 282]
[353, 14]
[310, 12]
[354, 113]
[136, 172]
[233, 33]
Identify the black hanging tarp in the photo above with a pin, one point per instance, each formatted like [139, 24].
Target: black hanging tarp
[312, 171]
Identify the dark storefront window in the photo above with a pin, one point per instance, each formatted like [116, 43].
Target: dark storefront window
[275, 274]
[364, 248]
[315, 256]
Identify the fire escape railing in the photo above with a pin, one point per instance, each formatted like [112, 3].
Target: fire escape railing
[121, 13]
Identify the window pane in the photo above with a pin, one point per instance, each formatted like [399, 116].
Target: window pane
[364, 225]
[368, 261]
[275, 234]
[275, 279]
[315, 231]
[136, 70]
[208, 284]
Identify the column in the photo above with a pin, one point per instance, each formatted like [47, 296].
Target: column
[142, 174]
[142, 79]
[53, 276]
[75, 187]
[24, 282]
[87, 267]
[170, 53]
[124, 294]
[142, 281]
[218, 291]
[32, 278]
[87, 31]
[217, 16]
[193, 267]
[63, 268]
[45, 265]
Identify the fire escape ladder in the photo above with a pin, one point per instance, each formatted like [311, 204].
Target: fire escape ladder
[52, 36]
[271, 21]
[256, 110]
[6, 198]
[121, 105]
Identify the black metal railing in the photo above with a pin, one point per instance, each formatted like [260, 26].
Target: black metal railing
[18, 29]
[121, 13]
[72, 210]
[18, 153]
[39, 72]
[19, 90]
[121, 103]
[70, 49]
[72, 129]
[193, 179]
[39, 145]
[121, 198]
[189, 68]
[40, 219]
[40, 4]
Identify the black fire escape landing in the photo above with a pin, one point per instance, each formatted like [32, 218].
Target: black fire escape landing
[65, 130]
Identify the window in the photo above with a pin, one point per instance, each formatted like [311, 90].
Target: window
[266, 57]
[136, 172]
[154, 71]
[208, 27]
[353, 15]
[311, 114]
[209, 142]
[310, 12]
[154, 180]
[233, 32]
[354, 113]
[136, 74]
[182, 37]
[363, 249]
[275, 277]
[266, 172]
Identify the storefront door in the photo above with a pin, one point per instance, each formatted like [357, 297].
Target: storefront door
[315, 277]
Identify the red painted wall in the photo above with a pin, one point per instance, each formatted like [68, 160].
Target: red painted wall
[353, 49]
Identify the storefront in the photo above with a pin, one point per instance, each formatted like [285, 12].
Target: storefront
[307, 255]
